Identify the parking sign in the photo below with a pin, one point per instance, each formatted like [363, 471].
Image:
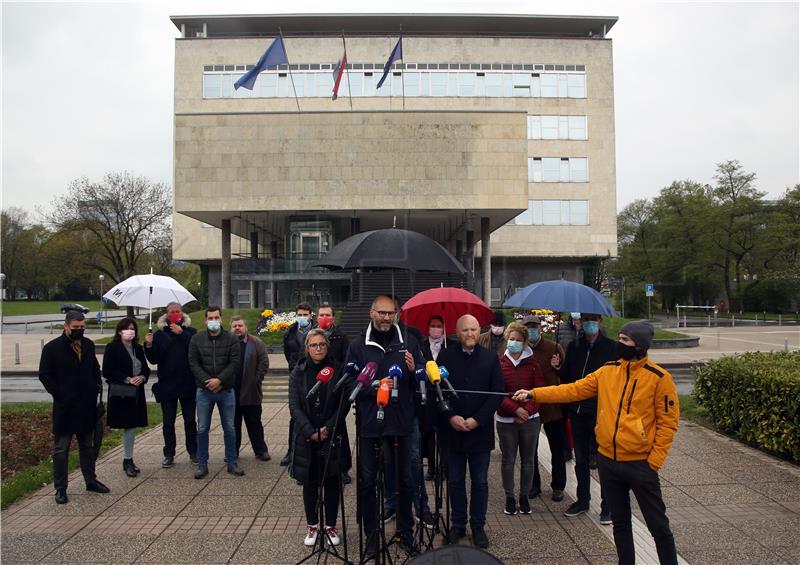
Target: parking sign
[648, 289]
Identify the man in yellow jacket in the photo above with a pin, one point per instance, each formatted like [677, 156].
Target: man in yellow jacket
[637, 417]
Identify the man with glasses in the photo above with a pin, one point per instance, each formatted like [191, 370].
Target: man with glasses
[384, 344]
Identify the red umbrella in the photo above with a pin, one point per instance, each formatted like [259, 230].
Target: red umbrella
[449, 303]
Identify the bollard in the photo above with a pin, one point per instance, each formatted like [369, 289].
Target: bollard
[16, 354]
[780, 319]
[26, 328]
[709, 321]
[733, 321]
[41, 343]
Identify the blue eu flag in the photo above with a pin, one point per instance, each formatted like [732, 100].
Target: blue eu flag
[397, 55]
[274, 55]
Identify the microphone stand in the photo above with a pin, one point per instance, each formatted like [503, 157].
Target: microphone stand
[422, 530]
[441, 485]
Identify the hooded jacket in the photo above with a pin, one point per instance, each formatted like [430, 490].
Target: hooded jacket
[171, 353]
[637, 408]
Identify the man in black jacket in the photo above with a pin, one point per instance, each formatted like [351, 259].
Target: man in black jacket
[249, 395]
[70, 372]
[214, 359]
[383, 343]
[169, 349]
[587, 353]
[468, 428]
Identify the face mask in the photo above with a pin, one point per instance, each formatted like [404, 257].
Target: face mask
[626, 352]
[533, 334]
[435, 333]
[498, 330]
[128, 335]
[514, 346]
[213, 325]
[325, 323]
[591, 327]
[303, 322]
[76, 335]
[175, 317]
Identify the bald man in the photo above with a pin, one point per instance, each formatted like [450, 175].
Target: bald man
[468, 428]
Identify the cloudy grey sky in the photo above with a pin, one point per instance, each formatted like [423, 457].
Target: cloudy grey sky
[87, 87]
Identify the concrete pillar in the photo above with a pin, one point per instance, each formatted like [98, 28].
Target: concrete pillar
[469, 259]
[460, 249]
[486, 261]
[253, 294]
[355, 225]
[254, 245]
[226, 264]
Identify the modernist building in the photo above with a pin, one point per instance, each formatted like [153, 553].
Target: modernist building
[494, 136]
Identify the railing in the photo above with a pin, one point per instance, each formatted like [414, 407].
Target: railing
[295, 263]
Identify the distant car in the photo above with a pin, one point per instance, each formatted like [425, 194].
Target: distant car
[67, 307]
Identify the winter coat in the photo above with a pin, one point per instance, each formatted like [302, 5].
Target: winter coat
[74, 384]
[171, 353]
[637, 409]
[486, 339]
[543, 352]
[580, 360]
[293, 350]
[309, 415]
[477, 371]
[339, 344]
[365, 348]
[125, 412]
[526, 374]
[214, 357]
[254, 367]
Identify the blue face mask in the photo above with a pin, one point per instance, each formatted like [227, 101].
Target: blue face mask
[514, 346]
[534, 335]
[303, 322]
[591, 327]
[213, 325]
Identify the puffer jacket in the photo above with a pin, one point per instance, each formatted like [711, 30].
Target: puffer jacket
[214, 357]
[637, 408]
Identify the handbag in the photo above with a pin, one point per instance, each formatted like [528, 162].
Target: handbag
[120, 390]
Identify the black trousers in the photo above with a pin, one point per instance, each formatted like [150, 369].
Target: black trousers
[255, 429]
[618, 478]
[583, 425]
[368, 469]
[169, 411]
[61, 457]
[557, 439]
[331, 492]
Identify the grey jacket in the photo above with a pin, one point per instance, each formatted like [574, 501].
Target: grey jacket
[219, 357]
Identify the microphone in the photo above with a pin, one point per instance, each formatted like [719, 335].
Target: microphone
[364, 378]
[421, 378]
[435, 377]
[383, 398]
[395, 372]
[323, 377]
[349, 370]
[445, 377]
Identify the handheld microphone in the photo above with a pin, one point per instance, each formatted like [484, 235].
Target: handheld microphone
[395, 372]
[349, 370]
[435, 377]
[445, 377]
[421, 378]
[364, 378]
[383, 398]
[323, 377]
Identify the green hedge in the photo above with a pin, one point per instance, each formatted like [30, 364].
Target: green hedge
[755, 397]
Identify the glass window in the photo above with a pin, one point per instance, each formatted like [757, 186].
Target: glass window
[397, 84]
[549, 85]
[576, 86]
[536, 86]
[452, 84]
[563, 127]
[534, 127]
[537, 212]
[266, 84]
[563, 170]
[577, 127]
[325, 85]
[551, 169]
[564, 212]
[227, 86]
[369, 84]
[534, 170]
[466, 84]
[508, 85]
[356, 80]
[551, 212]
[562, 86]
[412, 84]
[424, 84]
[525, 218]
[579, 212]
[549, 127]
[578, 172]
[494, 84]
[480, 84]
[284, 88]
[438, 84]
[212, 86]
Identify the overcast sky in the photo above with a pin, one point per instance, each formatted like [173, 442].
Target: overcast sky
[87, 87]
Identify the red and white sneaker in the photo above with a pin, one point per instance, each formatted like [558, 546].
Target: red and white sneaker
[333, 535]
[311, 535]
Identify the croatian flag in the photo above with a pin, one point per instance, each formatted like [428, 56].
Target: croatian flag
[338, 72]
[396, 55]
[274, 55]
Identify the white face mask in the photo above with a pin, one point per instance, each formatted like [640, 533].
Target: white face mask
[127, 335]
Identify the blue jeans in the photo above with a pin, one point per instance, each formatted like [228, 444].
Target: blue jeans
[420, 494]
[226, 403]
[478, 462]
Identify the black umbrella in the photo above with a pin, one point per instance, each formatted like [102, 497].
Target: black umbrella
[391, 248]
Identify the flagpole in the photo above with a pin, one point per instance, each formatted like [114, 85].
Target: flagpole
[403, 72]
[289, 65]
[349, 91]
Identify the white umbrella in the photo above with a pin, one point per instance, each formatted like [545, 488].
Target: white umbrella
[148, 291]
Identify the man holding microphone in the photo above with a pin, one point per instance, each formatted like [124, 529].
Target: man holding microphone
[637, 417]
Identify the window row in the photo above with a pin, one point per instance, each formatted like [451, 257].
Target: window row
[558, 169]
[557, 127]
[554, 213]
[409, 66]
[271, 84]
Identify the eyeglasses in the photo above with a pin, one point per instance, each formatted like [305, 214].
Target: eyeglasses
[322, 345]
[385, 314]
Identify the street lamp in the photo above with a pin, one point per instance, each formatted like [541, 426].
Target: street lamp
[102, 303]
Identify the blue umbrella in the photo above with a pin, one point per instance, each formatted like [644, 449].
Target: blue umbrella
[561, 296]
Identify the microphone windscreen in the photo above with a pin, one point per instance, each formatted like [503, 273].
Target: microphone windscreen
[384, 391]
[395, 371]
[443, 371]
[420, 374]
[432, 370]
[325, 375]
[367, 373]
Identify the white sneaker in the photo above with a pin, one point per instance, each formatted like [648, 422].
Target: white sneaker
[311, 535]
[333, 535]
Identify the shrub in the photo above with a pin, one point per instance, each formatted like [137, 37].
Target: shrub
[754, 397]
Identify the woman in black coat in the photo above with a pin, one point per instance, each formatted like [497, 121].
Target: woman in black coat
[125, 368]
[319, 424]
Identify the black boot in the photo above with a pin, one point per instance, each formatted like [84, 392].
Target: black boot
[127, 466]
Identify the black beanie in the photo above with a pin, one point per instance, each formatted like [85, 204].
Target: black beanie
[640, 332]
[499, 318]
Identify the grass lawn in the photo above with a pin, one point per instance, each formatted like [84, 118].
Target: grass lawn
[26, 307]
[693, 412]
[27, 446]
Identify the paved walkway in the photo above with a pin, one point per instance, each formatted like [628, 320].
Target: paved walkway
[727, 504]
